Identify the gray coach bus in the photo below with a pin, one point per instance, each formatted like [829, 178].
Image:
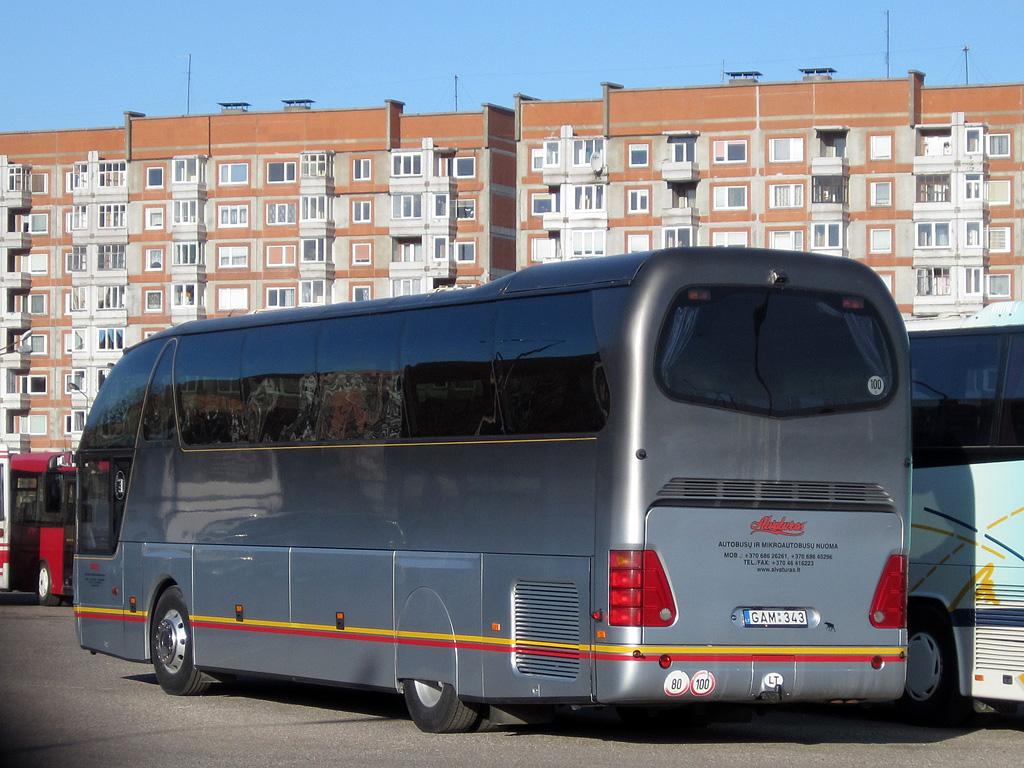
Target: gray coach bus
[655, 481]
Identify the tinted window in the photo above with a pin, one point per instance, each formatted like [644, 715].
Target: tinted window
[158, 418]
[206, 375]
[279, 383]
[1011, 425]
[114, 418]
[956, 380]
[547, 366]
[779, 352]
[449, 383]
[360, 384]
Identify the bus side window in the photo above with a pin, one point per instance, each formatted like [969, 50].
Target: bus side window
[549, 374]
[207, 385]
[279, 383]
[158, 416]
[1011, 430]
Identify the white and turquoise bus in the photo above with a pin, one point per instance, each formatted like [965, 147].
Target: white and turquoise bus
[663, 481]
[966, 602]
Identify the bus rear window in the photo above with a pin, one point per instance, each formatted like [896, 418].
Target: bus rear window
[775, 351]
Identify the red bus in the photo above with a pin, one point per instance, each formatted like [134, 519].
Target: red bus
[40, 525]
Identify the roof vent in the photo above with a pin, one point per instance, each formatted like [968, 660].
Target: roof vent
[748, 76]
[297, 105]
[818, 74]
[227, 107]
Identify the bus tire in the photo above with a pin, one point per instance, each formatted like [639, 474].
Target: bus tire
[435, 708]
[171, 647]
[45, 586]
[932, 693]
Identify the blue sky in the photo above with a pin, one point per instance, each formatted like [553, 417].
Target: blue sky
[82, 64]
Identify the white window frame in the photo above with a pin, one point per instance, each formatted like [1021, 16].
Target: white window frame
[880, 146]
[543, 249]
[188, 254]
[677, 237]
[464, 167]
[639, 155]
[360, 259]
[151, 305]
[362, 211]
[314, 208]
[406, 164]
[974, 233]
[822, 235]
[1000, 279]
[880, 240]
[786, 195]
[933, 281]
[931, 232]
[465, 251]
[312, 292]
[74, 422]
[235, 215]
[285, 255]
[407, 206]
[589, 243]
[638, 242]
[877, 201]
[154, 259]
[973, 281]
[362, 293]
[465, 209]
[313, 250]
[36, 303]
[682, 149]
[729, 238]
[110, 339]
[584, 149]
[110, 297]
[280, 214]
[725, 197]
[786, 150]
[32, 424]
[232, 256]
[280, 297]
[999, 239]
[638, 200]
[999, 192]
[729, 151]
[188, 170]
[786, 239]
[588, 197]
[76, 260]
[232, 174]
[281, 172]
[186, 295]
[154, 176]
[155, 217]
[362, 169]
[542, 203]
[314, 165]
[35, 223]
[185, 212]
[998, 139]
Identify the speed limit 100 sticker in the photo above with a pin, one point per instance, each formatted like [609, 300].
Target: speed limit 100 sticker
[677, 683]
[702, 683]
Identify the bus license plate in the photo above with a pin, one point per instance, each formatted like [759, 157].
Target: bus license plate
[774, 617]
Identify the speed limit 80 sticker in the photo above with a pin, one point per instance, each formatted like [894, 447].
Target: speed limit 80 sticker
[677, 683]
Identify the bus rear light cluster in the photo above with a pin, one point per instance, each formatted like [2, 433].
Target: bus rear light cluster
[638, 590]
[889, 606]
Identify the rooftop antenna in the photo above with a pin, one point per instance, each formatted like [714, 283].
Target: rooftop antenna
[967, 65]
[188, 88]
[887, 44]
[456, 93]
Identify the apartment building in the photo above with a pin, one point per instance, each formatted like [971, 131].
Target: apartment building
[110, 235]
[923, 184]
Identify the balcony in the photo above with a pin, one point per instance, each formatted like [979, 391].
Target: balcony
[316, 270]
[15, 241]
[16, 198]
[830, 166]
[682, 171]
[680, 217]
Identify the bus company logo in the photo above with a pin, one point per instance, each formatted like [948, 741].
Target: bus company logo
[783, 527]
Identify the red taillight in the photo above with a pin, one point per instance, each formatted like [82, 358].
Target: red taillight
[638, 590]
[889, 607]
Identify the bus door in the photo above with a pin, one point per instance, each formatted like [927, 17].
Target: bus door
[103, 490]
[5, 519]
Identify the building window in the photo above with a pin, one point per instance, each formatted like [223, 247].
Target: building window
[76, 300]
[111, 174]
[731, 151]
[185, 211]
[973, 285]
[973, 187]
[406, 286]
[933, 234]
[154, 259]
[362, 211]
[233, 256]
[544, 202]
[829, 189]
[464, 167]
[279, 298]
[998, 286]
[999, 239]
[232, 299]
[933, 281]
[36, 223]
[362, 254]
[32, 424]
[465, 210]
[362, 169]
[407, 206]
[314, 249]
[280, 172]
[933, 188]
[786, 240]
[36, 342]
[315, 207]
[408, 252]
[441, 205]
[730, 198]
[441, 248]
[543, 248]
[233, 215]
[682, 149]
[826, 235]
[280, 213]
[880, 147]
[78, 218]
[154, 301]
[110, 257]
[109, 339]
[280, 255]
[785, 195]
[999, 145]
[639, 200]
[33, 385]
[76, 260]
[974, 141]
[638, 243]
[537, 159]
[154, 218]
[74, 341]
[785, 150]
[999, 192]
[187, 295]
[35, 263]
[881, 194]
[729, 239]
[233, 173]
[188, 170]
[465, 252]
[312, 292]
[833, 143]
[314, 165]
[677, 237]
[112, 216]
[588, 197]
[881, 240]
[552, 154]
[407, 164]
[639, 155]
[585, 150]
[155, 177]
[361, 293]
[110, 297]
[587, 243]
[188, 254]
[74, 422]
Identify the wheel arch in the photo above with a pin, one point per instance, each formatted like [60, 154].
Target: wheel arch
[937, 608]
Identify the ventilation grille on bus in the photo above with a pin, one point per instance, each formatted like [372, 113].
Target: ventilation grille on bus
[999, 636]
[776, 494]
[547, 629]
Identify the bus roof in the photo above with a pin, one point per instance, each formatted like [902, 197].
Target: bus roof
[38, 463]
[1000, 313]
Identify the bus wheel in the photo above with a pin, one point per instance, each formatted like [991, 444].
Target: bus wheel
[435, 708]
[932, 695]
[171, 647]
[45, 591]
